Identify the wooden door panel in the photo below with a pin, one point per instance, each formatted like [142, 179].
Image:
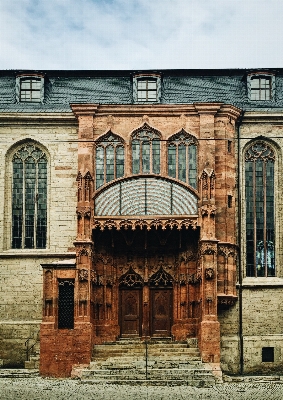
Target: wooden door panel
[130, 306]
[161, 310]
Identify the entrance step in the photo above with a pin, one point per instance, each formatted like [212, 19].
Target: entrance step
[34, 357]
[154, 362]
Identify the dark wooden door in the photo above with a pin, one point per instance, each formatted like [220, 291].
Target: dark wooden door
[161, 312]
[130, 312]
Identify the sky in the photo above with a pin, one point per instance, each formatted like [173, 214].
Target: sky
[140, 34]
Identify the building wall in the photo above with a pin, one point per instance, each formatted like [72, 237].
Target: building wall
[20, 271]
[262, 297]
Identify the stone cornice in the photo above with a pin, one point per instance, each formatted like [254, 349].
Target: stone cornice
[162, 110]
[36, 254]
[148, 222]
[262, 117]
[44, 118]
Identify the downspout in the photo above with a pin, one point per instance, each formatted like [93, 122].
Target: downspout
[240, 249]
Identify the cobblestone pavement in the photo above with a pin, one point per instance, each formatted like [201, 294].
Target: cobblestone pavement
[67, 389]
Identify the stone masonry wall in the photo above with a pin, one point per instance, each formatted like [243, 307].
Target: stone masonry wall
[20, 271]
[263, 297]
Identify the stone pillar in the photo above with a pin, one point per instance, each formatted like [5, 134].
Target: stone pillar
[209, 330]
[209, 327]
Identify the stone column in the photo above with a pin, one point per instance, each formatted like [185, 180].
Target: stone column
[209, 328]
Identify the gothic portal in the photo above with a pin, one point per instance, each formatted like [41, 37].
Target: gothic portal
[153, 258]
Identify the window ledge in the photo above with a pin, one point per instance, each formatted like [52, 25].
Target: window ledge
[35, 253]
[261, 282]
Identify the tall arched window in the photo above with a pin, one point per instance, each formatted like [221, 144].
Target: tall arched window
[109, 159]
[182, 158]
[259, 184]
[29, 203]
[146, 151]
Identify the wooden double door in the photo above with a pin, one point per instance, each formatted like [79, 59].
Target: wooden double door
[132, 318]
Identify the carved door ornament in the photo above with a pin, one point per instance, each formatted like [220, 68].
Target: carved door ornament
[131, 279]
[161, 278]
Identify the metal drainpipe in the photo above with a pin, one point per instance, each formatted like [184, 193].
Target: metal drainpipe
[240, 248]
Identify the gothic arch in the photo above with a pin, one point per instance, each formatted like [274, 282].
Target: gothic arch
[260, 160]
[109, 158]
[40, 154]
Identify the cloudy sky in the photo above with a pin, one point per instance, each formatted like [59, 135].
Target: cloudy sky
[140, 34]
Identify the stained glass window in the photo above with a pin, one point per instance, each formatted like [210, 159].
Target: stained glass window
[29, 204]
[146, 152]
[109, 159]
[259, 185]
[182, 158]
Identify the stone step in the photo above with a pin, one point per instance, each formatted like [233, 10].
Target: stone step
[151, 360]
[153, 382]
[18, 373]
[185, 354]
[154, 376]
[167, 362]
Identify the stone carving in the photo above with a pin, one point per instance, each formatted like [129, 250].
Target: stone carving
[209, 273]
[208, 209]
[83, 212]
[226, 301]
[161, 278]
[227, 250]
[101, 257]
[208, 248]
[142, 223]
[131, 279]
[260, 150]
[207, 184]
[84, 252]
[83, 274]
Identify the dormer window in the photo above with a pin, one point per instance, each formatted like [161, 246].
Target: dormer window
[260, 87]
[146, 88]
[30, 89]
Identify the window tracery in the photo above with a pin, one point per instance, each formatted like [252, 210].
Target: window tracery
[109, 159]
[29, 203]
[260, 232]
[146, 151]
[182, 158]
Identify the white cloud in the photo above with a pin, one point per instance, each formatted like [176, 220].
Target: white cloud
[139, 34]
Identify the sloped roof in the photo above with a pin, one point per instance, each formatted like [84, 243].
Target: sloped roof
[115, 87]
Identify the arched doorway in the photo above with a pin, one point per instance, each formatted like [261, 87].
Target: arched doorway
[130, 299]
[161, 300]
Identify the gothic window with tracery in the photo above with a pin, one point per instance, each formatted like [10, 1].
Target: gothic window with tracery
[29, 202]
[109, 159]
[259, 185]
[146, 151]
[182, 158]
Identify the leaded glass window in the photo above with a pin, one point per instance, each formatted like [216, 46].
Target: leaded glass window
[109, 159]
[146, 152]
[29, 203]
[259, 185]
[182, 158]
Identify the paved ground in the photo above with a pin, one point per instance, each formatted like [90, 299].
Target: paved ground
[67, 389]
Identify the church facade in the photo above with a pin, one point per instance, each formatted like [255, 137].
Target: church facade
[141, 205]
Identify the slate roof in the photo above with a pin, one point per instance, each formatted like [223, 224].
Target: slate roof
[115, 87]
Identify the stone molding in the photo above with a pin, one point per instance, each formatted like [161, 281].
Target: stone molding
[131, 223]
